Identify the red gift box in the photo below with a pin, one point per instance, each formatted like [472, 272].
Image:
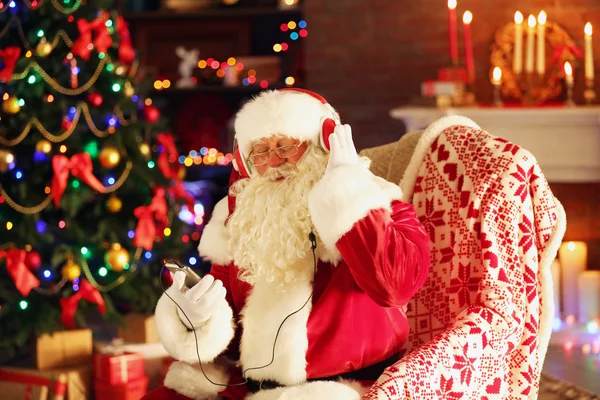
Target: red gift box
[132, 390]
[116, 369]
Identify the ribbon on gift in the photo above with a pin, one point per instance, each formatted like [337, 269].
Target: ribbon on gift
[169, 169]
[15, 265]
[80, 165]
[59, 386]
[559, 50]
[10, 55]
[69, 305]
[126, 51]
[178, 191]
[83, 45]
[145, 232]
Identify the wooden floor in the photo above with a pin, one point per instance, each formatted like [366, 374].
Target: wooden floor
[575, 367]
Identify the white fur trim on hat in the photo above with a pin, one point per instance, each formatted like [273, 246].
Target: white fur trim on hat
[289, 113]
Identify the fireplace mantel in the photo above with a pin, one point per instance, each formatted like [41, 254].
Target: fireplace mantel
[565, 141]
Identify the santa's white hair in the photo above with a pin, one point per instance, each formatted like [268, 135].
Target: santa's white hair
[269, 229]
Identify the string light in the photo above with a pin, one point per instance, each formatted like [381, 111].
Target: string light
[75, 184]
[50, 98]
[28, 54]
[264, 84]
[193, 260]
[294, 35]
[22, 304]
[302, 24]
[276, 47]
[47, 274]
[18, 174]
[167, 231]
[130, 234]
[40, 33]
[290, 80]
[148, 255]
[31, 79]
[62, 148]
[150, 164]
[102, 271]
[202, 64]
[5, 96]
[9, 226]
[291, 25]
[116, 87]
[158, 85]
[21, 102]
[61, 224]
[84, 251]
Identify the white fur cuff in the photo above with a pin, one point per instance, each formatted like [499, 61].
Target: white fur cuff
[319, 390]
[344, 196]
[213, 337]
[191, 382]
[213, 243]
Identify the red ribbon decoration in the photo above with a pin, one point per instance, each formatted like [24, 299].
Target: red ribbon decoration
[17, 269]
[169, 169]
[178, 191]
[80, 165]
[69, 305]
[126, 51]
[145, 232]
[576, 51]
[10, 55]
[103, 41]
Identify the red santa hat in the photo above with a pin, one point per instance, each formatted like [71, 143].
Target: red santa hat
[293, 113]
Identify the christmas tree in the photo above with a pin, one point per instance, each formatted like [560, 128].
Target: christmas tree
[90, 186]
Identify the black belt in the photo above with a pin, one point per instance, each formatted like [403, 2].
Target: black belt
[370, 373]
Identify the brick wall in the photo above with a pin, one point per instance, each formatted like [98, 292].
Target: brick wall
[369, 56]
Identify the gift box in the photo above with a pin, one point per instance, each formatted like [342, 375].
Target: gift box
[132, 390]
[64, 349]
[139, 329]
[57, 384]
[116, 369]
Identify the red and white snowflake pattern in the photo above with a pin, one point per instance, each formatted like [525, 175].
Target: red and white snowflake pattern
[474, 326]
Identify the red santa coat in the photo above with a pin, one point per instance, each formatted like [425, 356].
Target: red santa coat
[376, 257]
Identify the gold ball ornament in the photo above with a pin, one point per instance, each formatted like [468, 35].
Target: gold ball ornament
[11, 105]
[43, 48]
[6, 157]
[117, 257]
[128, 90]
[181, 173]
[109, 157]
[145, 149]
[43, 146]
[71, 271]
[114, 204]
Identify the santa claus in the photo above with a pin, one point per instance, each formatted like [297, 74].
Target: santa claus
[313, 259]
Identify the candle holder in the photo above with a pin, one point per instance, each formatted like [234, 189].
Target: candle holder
[570, 85]
[590, 92]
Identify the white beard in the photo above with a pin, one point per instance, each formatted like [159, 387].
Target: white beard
[269, 229]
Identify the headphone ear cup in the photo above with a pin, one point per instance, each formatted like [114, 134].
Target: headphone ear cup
[240, 164]
[327, 127]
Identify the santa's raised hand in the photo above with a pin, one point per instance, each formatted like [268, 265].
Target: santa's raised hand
[342, 150]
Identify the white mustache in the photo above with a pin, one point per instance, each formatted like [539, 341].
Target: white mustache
[286, 170]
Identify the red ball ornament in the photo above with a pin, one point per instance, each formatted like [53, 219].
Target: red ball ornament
[151, 114]
[66, 124]
[33, 260]
[95, 99]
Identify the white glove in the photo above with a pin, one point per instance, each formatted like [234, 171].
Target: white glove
[199, 302]
[342, 150]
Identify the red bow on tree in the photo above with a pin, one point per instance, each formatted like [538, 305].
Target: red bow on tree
[178, 191]
[167, 160]
[83, 45]
[80, 165]
[69, 305]
[21, 275]
[559, 50]
[10, 55]
[126, 51]
[145, 232]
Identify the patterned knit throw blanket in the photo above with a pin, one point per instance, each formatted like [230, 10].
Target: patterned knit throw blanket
[481, 324]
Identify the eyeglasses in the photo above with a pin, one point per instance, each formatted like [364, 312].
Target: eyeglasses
[261, 158]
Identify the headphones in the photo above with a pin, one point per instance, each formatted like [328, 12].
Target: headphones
[328, 124]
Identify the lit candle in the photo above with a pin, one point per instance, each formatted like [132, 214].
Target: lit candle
[518, 51]
[530, 44]
[497, 76]
[555, 272]
[470, 62]
[541, 43]
[589, 293]
[589, 56]
[568, 73]
[573, 260]
[453, 31]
